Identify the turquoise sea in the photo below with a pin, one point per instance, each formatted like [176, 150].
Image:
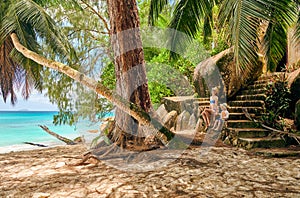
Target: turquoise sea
[17, 127]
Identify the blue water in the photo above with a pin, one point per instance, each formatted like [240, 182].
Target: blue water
[17, 127]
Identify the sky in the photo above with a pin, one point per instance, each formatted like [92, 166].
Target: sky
[36, 102]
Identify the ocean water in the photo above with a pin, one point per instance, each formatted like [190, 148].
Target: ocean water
[17, 127]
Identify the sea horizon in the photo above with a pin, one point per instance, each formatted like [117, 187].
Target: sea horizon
[19, 126]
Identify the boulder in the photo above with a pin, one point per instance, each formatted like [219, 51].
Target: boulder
[192, 122]
[199, 126]
[179, 103]
[161, 111]
[294, 84]
[182, 121]
[169, 119]
[297, 115]
[220, 71]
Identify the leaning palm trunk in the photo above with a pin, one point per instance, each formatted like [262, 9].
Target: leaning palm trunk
[133, 110]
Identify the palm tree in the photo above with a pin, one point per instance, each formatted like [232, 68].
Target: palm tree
[241, 21]
[26, 22]
[32, 24]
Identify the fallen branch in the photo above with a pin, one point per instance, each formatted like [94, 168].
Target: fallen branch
[61, 138]
[274, 131]
[34, 144]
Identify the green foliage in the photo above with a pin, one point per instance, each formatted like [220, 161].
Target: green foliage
[108, 76]
[88, 33]
[158, 91]
[277, 104]
[35, 29]
[239, 21]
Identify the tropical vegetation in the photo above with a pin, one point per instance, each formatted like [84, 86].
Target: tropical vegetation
[254, 28]
[75, 38]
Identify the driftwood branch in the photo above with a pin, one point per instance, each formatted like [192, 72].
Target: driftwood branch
[274, 131]
[34, 144]
[61, 138]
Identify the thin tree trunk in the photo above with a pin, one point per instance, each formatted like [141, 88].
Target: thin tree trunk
[141, 116]
[132, 84]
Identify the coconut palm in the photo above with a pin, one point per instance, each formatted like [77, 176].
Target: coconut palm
[33, 26]
[241, 20]
[26, 23]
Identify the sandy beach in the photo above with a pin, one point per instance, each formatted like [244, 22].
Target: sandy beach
[222, 172]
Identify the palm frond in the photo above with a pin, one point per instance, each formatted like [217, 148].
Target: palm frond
[186, 19]
[244, 17]
[281, 16]
[45, 27]
[33, 26]
[274, 44]
[156, 7]
[9, 72]
[207, 28]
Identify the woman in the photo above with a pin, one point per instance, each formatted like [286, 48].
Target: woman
[208, 114]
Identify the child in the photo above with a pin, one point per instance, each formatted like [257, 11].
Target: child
[224, 115]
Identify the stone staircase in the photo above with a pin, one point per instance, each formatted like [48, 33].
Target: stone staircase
[240, 131]
[243, 132]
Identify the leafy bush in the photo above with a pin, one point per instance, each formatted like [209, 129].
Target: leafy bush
[277, 104]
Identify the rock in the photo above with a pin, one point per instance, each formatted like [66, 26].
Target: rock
[182, 121]
[294, 82]
[169, 119]
[220, 71]
[161, 111]
[227, 141]
[192, 122]
[297, 115]
[199, 126]
[179, 103]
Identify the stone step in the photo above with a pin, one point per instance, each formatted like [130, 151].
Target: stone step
[271, 75]
[201, 99]
[255, 110]
[202, 103]
[254, 91]
[241, 124]
[277, 152]
[252, 97]
[247, 103]
[258, 86]
[264, 142]
[239, 116]
[265, 81]
[249, 132]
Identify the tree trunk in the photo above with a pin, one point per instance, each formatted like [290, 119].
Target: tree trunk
[126, 106]
[132, 84]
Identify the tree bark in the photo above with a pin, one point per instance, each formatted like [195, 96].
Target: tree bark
[132, 84]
